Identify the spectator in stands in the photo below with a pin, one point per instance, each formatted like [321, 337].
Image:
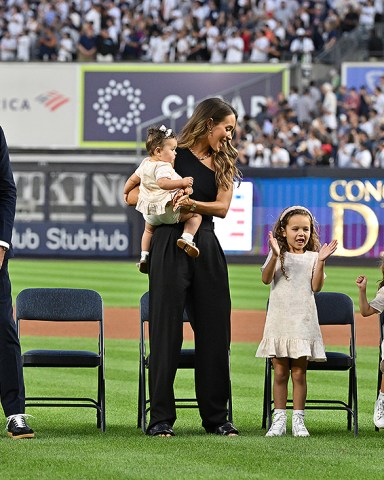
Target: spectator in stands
[362, 156]
[235, 48]
[260, 47]
[131, 43]
[302, 47]
[329, 107]
[86, 47]
[350, 20]
[105, 47]
[378, 161]
[66, 48]
[280, 155]
[8, 47]
[24, 45]
[304, 108]
[48, 44]
[258, 155]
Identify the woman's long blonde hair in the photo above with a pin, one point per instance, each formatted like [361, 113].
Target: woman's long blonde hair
[224, 161]
[313, 244]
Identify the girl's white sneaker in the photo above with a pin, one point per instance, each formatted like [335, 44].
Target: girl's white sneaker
[279, 425]
[298, 427]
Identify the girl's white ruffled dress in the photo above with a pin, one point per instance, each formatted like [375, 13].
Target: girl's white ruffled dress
[292, 327]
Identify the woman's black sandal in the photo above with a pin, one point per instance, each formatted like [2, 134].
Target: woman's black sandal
[227, 429]
[161, 430]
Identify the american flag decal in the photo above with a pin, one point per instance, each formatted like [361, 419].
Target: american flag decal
[52, 100]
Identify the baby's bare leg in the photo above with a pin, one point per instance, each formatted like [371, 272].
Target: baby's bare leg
[147, 237]
[192, 222]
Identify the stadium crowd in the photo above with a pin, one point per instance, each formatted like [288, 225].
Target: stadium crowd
[177, 30]
[322, 125]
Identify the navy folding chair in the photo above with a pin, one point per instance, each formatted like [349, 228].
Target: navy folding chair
[65, 305]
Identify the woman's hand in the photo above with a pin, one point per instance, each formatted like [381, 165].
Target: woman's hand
[181, 200]
[327, 249]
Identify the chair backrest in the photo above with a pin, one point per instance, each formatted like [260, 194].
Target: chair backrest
[334, 308]
[144, 309]
[59, 304]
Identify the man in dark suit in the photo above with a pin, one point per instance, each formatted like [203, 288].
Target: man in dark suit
[12, 394]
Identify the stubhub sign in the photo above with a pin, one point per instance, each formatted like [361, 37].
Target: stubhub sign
[71, 239]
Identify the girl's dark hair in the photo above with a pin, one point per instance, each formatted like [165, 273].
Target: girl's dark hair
[196, 127]
[157, 136]
[313, 244]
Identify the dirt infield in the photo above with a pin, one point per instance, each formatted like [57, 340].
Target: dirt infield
[247, 326]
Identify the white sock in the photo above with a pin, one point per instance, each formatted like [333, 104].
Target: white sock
[381, 395]
[298, 412]
[280, 410]
[187, 236]
[144, 255]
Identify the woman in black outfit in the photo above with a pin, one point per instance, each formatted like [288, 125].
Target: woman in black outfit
[199, 284]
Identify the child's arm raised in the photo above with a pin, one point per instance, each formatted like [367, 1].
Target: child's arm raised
[269, 270]
[168, 184]
[365, 309]
[318, 275]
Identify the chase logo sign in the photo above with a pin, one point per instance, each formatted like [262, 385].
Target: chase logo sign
[116, 100]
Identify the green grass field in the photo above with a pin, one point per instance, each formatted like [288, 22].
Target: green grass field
[121, 285]
[68, 445]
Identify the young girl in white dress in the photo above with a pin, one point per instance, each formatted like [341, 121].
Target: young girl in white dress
[375, 306]
[295, 270]
[159, 183]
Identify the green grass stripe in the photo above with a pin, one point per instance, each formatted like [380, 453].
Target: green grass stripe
[121, 285]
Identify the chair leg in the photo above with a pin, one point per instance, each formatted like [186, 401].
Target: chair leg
[264, 419]
[350, 398]
[267, 413]
[379, 379]
[139, 409]
[355, 405]
[101, 423]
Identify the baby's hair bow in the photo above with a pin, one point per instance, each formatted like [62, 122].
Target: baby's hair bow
[167, 131]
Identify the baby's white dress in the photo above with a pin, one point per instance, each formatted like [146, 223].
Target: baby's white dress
[292, 327]
[152, 199]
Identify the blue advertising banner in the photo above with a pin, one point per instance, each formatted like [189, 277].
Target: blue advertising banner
[359, 74]
[71, 239]
[348, 210]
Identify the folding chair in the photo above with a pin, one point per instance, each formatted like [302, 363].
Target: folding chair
[65, 305]
[333, 309]
[186, 361]
[379, 373]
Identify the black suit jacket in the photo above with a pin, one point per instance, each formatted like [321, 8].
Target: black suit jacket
[7, 194]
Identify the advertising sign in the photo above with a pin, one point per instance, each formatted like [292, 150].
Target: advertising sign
[99, 106]
[119, 98]
[39, 104]
[358, 74]
[71, 239]
[348, 210]
[235, 230]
